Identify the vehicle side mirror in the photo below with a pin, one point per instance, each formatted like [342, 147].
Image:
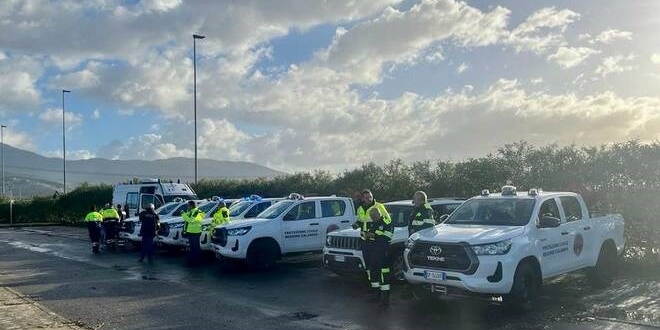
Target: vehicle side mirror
[443, 218]
[549, 222]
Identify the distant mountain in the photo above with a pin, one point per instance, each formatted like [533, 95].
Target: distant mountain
[28, 174]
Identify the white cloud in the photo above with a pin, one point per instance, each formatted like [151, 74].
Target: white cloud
[655, 58]
[53, 117]
[18, 78]
[536, 81]
[542, 31]
[462, 68]
[19, 139]
[568, 57]
[615, 64]
[612, 35]
[96, 114]
[71, 154]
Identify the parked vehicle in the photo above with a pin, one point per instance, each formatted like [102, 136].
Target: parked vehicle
[130, 229]
[137, 196]
[342, 253]
[505, 245]
[294, 225]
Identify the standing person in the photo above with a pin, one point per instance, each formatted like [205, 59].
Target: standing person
[221, 217]
[110, 222]
[120, 211]
[422, 216]
[192, 229]
[380, 234]
[93, 220]
[127, 211]
[150, 222]
[363, 219]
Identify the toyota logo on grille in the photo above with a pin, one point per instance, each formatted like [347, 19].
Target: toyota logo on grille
[435, 250]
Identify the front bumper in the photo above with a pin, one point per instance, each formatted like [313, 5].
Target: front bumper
[174, 238]
[205, 242]
[494, 275]
[236, 248]
[343, 260]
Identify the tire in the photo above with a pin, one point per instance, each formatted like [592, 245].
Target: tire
[603, 273]
[398, 267]
[262, 255]
[525, 289]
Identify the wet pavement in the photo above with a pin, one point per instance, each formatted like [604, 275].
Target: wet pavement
[53, 266]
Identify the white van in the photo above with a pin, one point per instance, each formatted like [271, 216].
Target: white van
[138, 195]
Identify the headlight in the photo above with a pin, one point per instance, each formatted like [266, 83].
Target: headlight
[328, 242]
[177, 225]
[238, 231]
[410, 244]
[492, 249]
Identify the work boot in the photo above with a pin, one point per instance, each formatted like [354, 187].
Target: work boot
[385, 298]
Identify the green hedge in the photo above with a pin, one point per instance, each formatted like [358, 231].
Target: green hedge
[622, 178]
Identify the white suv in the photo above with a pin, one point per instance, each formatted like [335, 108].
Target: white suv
[342, 253]
[290, 226]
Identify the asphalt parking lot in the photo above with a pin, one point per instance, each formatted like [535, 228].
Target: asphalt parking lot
[54, 267]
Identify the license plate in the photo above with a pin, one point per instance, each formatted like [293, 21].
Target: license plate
[340, 258]
[438, 276]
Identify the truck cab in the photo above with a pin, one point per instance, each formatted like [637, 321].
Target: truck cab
[342, 253]
[505, 245]
[294, 225]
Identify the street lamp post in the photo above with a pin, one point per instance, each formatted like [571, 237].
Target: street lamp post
[195, 37]
[2, 139]
[64, 142]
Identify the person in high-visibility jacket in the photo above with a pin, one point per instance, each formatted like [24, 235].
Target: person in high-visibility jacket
[93, 220]
[220, 217]
[423, 215]
[192, 229]
[110, 224]
[380, 233]
[363, 220]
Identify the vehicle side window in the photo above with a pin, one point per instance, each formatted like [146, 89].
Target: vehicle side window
[571, 207]
[448, 209]
[549, 209]
[256, 209]
[302, 211]
[180, 210]
[333, 208]
[132, 200]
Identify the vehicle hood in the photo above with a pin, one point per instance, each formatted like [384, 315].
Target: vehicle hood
[472, 234]
[348, 232]
[247, 222]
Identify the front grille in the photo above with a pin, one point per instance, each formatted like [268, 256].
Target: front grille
[452, 257]
[220, 237]
[164, 229]
[343, 242]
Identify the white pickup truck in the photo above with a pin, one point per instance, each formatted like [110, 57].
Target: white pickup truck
[293, 225]
[342, 253]
[130, 228]
[505, 245]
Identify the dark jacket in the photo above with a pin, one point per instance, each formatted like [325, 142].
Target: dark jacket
[149, 220]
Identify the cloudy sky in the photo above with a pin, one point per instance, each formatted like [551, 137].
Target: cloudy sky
[304, 84]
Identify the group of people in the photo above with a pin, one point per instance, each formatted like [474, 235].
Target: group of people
[105, 222]
[376, 231]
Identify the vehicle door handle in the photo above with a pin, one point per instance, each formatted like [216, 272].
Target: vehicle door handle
[314, 224]
[345, 221]
[564, 233]
[587, 228]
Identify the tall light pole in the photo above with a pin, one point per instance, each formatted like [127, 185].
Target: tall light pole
[195, 37]
[64, 141]
[2, 139]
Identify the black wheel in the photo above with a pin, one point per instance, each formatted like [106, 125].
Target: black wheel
[261, 255]
[603, 273]
[398, 267]
[525, 289]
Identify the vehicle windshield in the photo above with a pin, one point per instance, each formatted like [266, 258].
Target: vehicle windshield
[493, 211]
[167, 208]
[399, 214]
[275, 210]
[207, 208]
[237, 208]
